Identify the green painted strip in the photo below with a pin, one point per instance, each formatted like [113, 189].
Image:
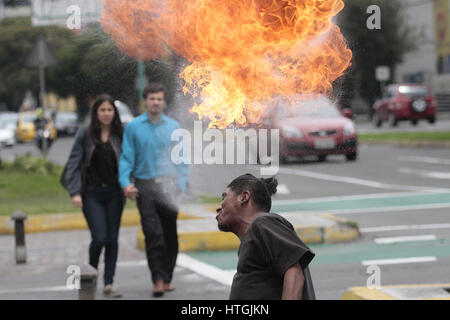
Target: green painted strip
[327, 254]
[365, 203]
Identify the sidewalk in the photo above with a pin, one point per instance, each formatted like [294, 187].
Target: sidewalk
[49, 254]
[197, 227]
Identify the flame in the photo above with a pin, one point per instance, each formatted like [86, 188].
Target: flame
[243, 53]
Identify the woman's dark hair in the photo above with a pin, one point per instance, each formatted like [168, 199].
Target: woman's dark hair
[261, 190]
[95, 127]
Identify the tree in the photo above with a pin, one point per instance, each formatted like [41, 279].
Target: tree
[371, 48]
[88, 64]
[17, 39]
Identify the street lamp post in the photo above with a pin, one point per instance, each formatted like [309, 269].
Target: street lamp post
[42, 57]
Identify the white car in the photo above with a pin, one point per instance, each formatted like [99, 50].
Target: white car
[7, 138]
[8, 124]
[124, 112]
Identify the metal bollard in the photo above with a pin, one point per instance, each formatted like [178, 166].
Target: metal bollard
[19, 230]
[88, 283]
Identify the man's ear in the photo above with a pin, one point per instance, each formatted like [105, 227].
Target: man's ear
[244, 197]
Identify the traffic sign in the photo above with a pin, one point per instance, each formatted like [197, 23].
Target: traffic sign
[383, 73]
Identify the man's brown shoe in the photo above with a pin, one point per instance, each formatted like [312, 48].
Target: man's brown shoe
[158, 289]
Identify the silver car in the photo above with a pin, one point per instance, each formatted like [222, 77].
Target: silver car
[8, 124]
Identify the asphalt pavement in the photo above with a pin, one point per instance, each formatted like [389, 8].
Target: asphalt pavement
[398, 196]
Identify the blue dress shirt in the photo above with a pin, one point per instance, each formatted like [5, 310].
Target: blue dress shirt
[146, 151]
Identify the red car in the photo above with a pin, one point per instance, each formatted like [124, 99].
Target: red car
[411, 102]
[314, 127]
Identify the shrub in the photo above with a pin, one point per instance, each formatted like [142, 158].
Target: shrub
[30, 164]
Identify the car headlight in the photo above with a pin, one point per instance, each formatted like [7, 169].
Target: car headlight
[349, 129]
[291, 132]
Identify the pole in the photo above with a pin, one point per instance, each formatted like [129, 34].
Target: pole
[88, 283]
[42, 87]
[19, 233]
[140, 82]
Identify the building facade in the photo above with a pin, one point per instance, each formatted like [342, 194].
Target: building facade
[430, 62]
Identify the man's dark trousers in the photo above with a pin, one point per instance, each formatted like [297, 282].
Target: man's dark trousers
[156, 203]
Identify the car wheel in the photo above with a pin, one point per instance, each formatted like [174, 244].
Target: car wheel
[391, 119]
[351, 156]
[283, 159]
[376, 120]
[322, 158]
[414, 122]
[432, 119]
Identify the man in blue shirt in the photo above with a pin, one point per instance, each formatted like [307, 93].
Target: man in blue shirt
[147, 173]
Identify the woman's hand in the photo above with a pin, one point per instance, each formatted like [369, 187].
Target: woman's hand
[77, 201]
[131, 192]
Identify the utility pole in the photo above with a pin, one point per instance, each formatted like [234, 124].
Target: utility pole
[141, 82]
[41, 57]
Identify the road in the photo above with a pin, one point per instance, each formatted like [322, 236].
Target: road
[442, 124]
[399, 197]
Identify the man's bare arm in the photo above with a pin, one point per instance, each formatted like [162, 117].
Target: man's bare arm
[293, 283]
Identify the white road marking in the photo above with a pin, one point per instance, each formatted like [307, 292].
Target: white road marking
[405, 227]
[206, 270]
[426, 173]
[351, 180]
[429, 160]
[398, 261]
[42, 289]
[405, 239]
[374, 210]
[132, 263]
[357, 197]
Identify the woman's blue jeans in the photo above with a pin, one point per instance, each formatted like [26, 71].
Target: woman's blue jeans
[102, 208]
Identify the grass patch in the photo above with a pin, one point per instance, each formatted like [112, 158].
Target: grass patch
[442, 137]
[204, 199]
[34, 190]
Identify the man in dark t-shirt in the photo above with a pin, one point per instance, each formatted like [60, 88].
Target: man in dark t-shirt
[273, 260]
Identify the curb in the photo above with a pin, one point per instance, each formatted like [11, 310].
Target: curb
[70, 221]
[440, 291]
[339, 231]
[417, 144]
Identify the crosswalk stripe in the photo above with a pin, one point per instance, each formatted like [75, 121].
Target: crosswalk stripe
[405, 239]
[406, 227]
[398, 261]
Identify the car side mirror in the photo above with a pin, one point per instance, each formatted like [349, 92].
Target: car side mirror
[347, 112]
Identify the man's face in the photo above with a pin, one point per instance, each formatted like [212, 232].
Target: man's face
[227, 211]
[155, 103]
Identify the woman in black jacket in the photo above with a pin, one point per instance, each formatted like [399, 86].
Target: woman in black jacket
[92, 172]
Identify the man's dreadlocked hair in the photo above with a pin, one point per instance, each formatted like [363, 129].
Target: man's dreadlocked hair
[261, 190]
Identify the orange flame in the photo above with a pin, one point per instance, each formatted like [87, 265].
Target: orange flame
[243, 52]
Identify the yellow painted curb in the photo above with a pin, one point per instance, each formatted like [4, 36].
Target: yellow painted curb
[342, 231]
[364, 293]
[200, 241]
[339, 234]
[310, 235]
[70, 221]
[222, 241]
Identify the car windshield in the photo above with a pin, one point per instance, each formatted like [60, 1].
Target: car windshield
[66, 117]
[8, 120]
[123, 110]
[413, 91]
[29, 118]
[317, 107]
